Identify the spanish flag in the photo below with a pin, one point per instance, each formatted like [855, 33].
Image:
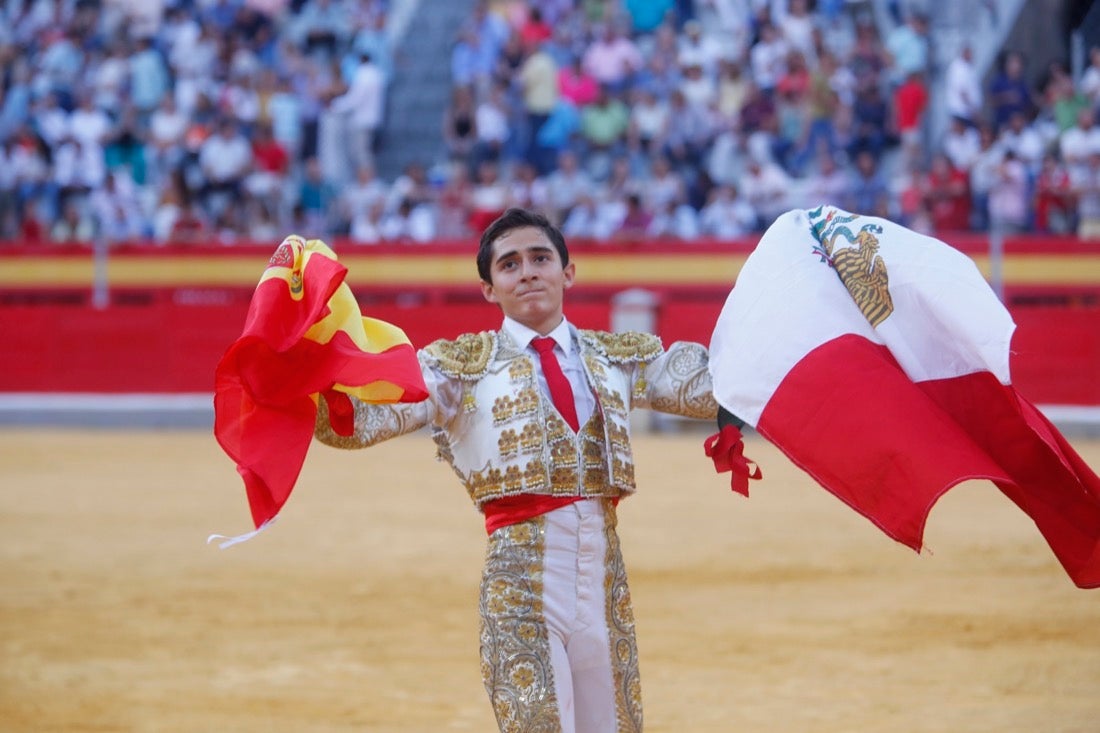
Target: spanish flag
[303, 338]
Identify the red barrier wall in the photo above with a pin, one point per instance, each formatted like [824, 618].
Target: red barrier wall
[165, 329]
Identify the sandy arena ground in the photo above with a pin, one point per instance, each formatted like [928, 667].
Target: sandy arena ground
[357, 610]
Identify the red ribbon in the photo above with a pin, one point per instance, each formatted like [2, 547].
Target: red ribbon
[726, 449]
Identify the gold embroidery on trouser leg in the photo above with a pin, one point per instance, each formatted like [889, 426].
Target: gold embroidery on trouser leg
[620, 633]
[515, 645]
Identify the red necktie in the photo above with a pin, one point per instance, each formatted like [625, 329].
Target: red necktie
[560, 391]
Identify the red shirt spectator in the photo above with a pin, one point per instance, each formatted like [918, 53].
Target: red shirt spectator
[534, 30]
[947, 196]
[1054, 199]
[910, 101]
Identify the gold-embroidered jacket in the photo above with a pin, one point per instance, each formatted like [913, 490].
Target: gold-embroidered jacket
[501, 434]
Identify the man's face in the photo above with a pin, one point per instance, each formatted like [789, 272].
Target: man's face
[528, 280]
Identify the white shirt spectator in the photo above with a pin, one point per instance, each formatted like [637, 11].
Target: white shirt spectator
[963, 87]
[225, 156]
[567, 185]
[727, 215]
[768, 58]
[88, 124]
[766, 187]
[961, 144]
[365, 99]
[1079, 141]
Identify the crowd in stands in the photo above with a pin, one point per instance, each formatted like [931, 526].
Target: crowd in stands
[198, 121]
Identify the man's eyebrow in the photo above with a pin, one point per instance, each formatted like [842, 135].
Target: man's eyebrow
[540, 248]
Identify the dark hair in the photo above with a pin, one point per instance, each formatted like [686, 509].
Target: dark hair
[516, 218]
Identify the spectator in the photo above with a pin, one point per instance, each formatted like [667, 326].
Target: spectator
[408, 223]
[647, 15]
[363, 105]
[315, 196]
[1009, 91]
[727, 215]
[373, 38]
[868, 193]
[577, 85]
[872, 125]
[768, 59]
[225, 159]
[321, 27]
[167, 130]
[1024, 141]
[907, 46]
[1077, 143]
[963, 88]
[527, 190]
[796, 27]
[604, 124]
[472, 62]
[1086, 189]
[271, 164]
[910, 103]
[961, 144]
[588, 220]
[946, 195]
[538, 80]
[1009, 197]
[74, 226]
[286, 112]
[534, 31]
[492, 121]
[360, 197]
[828, 184]
[674, 221]
[732, 89]
[766, 188]
[1089, 85]
[690, 132]
[1054, 203]
[649, 121]
[117, 209]
[460, 125]
[453, 219]
[699, 49]
[566, 186]
[612, 59]
[149, 77]
[489, 196]
[412, 186]
[635, 222]
[982, 175]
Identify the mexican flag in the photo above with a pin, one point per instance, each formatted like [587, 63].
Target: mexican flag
[303, 338]
[877, 360]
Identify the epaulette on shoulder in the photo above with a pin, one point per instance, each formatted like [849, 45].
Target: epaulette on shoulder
[466, 357]
[626, 347]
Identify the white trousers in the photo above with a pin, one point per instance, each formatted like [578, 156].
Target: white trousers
[557, 640]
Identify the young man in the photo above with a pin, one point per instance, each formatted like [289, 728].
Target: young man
[534, 419]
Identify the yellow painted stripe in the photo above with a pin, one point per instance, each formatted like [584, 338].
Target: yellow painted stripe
[1046, 269]
[445, 269]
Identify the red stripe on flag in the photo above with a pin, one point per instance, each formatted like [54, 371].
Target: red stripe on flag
[889, 448]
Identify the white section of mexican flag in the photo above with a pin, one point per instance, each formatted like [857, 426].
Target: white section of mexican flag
[889, 416]
[789, 301]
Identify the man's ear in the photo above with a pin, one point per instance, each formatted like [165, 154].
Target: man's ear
[570, 272]
[487, 291]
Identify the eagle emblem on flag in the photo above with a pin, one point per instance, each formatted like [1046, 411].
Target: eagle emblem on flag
[858, 264]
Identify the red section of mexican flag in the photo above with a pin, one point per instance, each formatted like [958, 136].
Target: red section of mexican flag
[889, 448]
[303, 337]
[877, 359]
